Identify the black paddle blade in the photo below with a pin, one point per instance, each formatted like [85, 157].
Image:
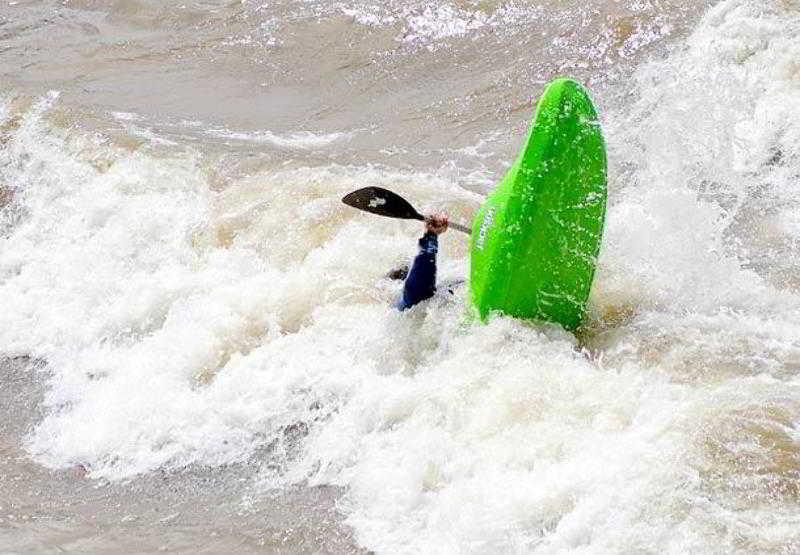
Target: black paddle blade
[382, 202]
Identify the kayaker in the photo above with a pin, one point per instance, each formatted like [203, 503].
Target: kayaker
[420, 284]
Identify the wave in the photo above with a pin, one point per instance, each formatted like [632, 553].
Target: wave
[299, 140]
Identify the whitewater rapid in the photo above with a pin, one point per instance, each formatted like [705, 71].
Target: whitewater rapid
[188, 323]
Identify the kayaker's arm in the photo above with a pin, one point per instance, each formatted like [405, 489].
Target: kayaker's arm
[421, 281]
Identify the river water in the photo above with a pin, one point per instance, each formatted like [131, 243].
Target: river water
[198, 348]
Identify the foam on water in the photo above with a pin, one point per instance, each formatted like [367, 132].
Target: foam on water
[184, 324]
[300, 140]
[425, 23]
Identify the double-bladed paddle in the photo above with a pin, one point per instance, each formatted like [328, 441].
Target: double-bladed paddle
[383, 202]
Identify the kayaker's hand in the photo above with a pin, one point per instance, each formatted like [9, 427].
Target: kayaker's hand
[436, 224]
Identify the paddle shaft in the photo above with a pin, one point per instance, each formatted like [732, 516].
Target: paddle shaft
[457, 227]
[450, 225]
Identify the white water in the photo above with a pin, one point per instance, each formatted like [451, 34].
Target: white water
[183, 323]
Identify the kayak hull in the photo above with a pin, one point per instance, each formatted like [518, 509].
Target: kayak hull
[536, 239]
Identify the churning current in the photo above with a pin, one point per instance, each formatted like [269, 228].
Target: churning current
[197, 338]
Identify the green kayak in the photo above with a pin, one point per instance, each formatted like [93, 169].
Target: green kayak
[536, 239]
